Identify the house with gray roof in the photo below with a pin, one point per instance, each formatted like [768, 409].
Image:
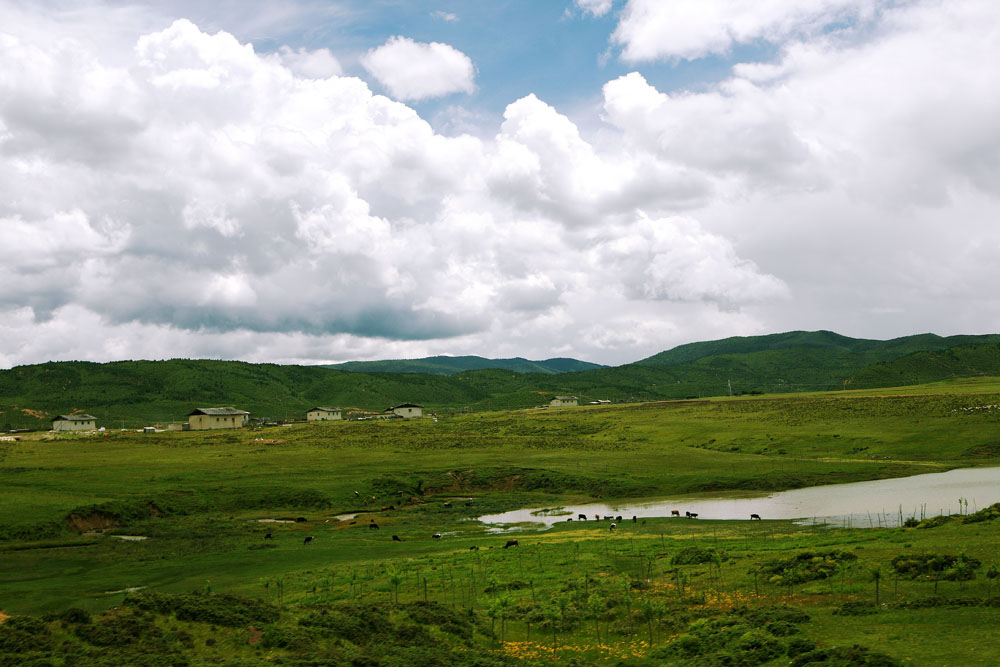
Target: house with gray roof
[203, 419]
[77, 422]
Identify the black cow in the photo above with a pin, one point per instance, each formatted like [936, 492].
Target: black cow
[691, 515]
[618, 518]
[396, 538]
[510, 543]
[582, 517]
[613, 526]
[269, 536]
[436, 536]
[634, 518]
[473, 548]
[755, 516]
[446, 504]
[373, 526]
[308, 539]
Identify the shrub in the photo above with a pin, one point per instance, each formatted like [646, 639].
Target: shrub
[781, 628]
[936, 566]
[805, 566]
[856, 608]
[217, 609]
[24, 634]
[855, 656]
[695, 555]
[799, 645]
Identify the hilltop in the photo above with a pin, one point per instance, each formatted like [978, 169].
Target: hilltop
[443, 365]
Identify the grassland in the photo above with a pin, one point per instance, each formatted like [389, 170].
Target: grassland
[640, 595]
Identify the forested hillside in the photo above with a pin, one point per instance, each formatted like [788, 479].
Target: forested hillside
[134, 393]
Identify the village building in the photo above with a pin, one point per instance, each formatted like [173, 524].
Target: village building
[563, 402]
[322, 414]
[203, 419]
[406, 411]
[78, 422]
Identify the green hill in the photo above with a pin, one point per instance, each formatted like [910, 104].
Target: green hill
[134, 393]
[443, 365]
[931, 366]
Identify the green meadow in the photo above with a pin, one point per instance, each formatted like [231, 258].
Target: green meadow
[206, 587]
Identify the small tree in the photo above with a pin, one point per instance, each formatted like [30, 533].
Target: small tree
[595, 605]
[395, 578]
[991, 574]
[876, 573]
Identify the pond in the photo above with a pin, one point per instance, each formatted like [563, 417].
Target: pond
[879, 503]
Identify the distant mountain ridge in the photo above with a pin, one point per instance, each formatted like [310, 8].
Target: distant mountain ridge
[444, 365]
[145, 392]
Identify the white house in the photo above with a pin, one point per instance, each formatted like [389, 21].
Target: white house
[563, 402]
[79, 422]
[406, 411]
[203, 419]
[322, 414]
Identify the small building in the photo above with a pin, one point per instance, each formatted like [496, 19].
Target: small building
[203, 419]
[406, 411]
[79, 422]
[563, 402]
[322, 414]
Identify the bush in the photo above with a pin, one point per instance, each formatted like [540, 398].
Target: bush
[24, 634]
[799, 645]
[936, 566]
[217, 609]
[72, 616]
[856, 608]
[855, 656]
[781, 628]
[805, 566]
[696, 555]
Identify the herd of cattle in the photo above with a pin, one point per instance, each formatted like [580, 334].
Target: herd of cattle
[513, 543]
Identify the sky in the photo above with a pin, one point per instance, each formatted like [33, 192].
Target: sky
[316, 181]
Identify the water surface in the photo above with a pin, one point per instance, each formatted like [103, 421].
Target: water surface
[858, 504]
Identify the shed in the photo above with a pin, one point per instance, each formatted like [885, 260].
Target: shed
[203, 419]
[77, 422]
[321, 414]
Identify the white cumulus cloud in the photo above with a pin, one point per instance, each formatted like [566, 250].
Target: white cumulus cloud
[415, 70]
[657, 29]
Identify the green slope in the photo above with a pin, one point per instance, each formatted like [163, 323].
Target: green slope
[135, 393]
[154, 391]
[443, 365]
[931, 366]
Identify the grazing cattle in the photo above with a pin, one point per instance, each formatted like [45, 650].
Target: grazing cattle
[691, 515]
[352, 523]
[582, 517]
[634, 518]
[570, 519]
[675, 513]
[300, 519]
[396, 538]
[597, 517]
[356, 493]
[373, 526]
[473, 548]
[446, 504]
[755, 516]
[308, 540]
[468, 503]
[510, 543]
[613, 526]
[609, 518]
[436, 536]
[268, 536]
[618, 518]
